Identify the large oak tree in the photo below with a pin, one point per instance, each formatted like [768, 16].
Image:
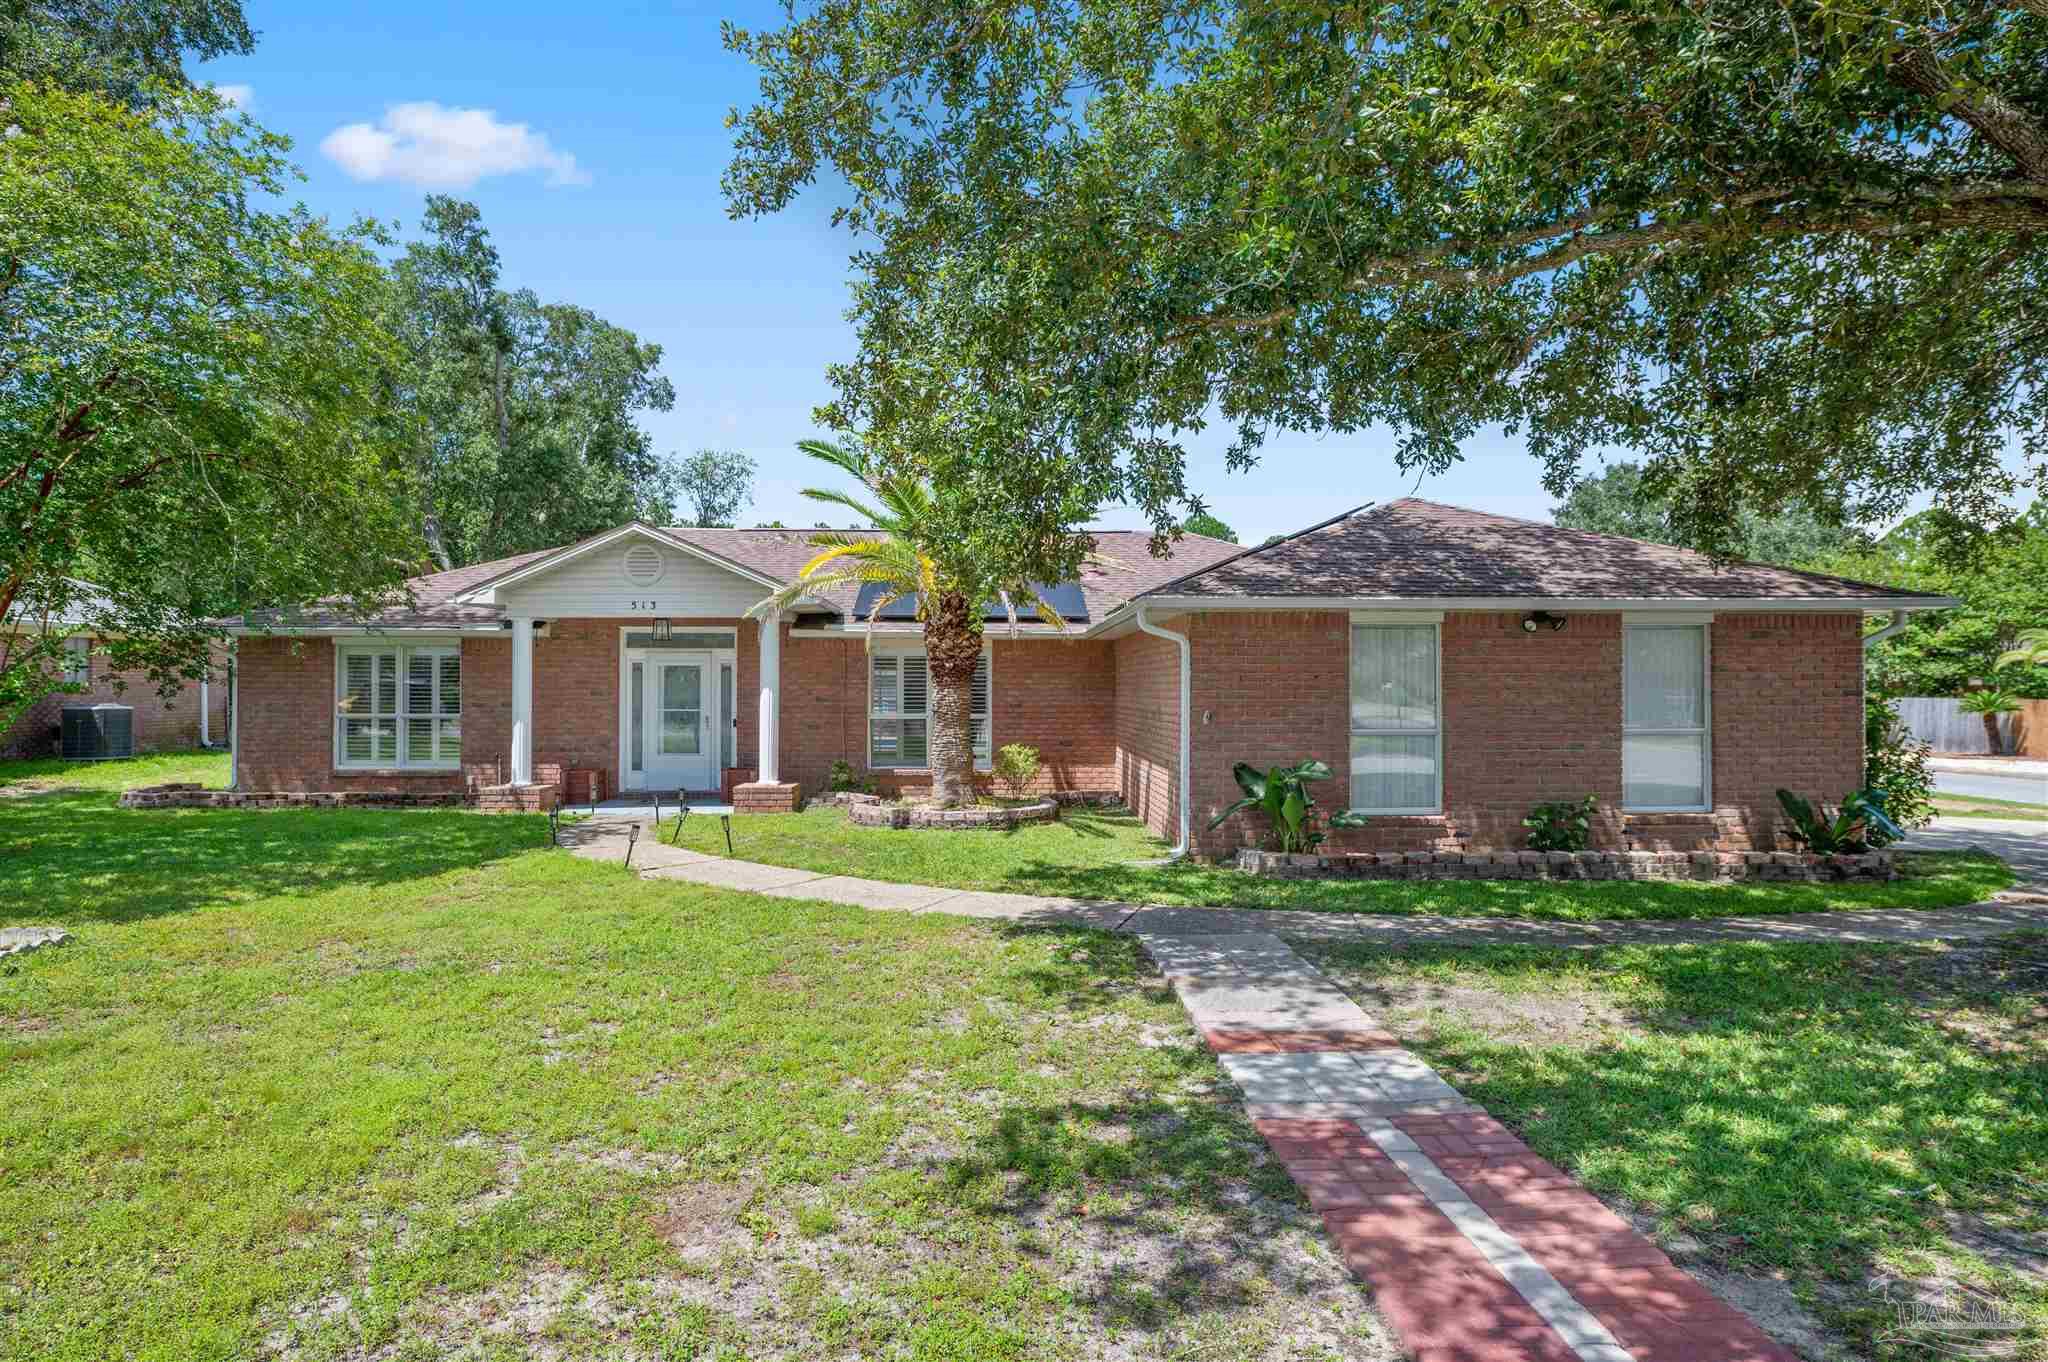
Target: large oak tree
[1783, 252]
[193, 395]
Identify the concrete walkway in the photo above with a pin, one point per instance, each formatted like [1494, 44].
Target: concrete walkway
[605, 839]
[1476, 1248]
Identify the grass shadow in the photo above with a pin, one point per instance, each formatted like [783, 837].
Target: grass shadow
[70, 858]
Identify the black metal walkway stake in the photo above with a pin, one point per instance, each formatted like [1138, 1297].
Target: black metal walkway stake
[632, 836]
[554, 827]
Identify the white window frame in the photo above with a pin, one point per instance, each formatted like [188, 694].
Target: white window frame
[403, 653]
[78, 661]
[1704, 732]
[1404, 619]
[983, 761]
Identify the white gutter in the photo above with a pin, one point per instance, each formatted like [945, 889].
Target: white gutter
[205, 731]
[1187, 687]
[1786, 605]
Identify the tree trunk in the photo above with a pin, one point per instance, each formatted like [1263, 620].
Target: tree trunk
[952, 646]
[1994, 740]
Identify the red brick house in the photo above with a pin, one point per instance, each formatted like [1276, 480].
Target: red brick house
[1454, 667]
[191, 715]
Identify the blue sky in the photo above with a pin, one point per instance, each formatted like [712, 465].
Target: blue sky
[596, 139]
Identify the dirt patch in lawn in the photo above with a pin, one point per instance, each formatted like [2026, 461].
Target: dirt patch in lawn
[701, 1220]
[1411, 1005]
[1992, 995]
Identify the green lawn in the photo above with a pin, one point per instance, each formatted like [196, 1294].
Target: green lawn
[1976, 806]
[1838, 1116]
[329, 1084]
[1095, 854]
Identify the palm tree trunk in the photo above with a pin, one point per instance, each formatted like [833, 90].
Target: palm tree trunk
[952, 646]
[1992, 735]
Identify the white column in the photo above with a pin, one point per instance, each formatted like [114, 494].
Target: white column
[771, 686]
[522, 700]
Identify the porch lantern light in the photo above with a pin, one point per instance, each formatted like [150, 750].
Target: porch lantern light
[661, 634]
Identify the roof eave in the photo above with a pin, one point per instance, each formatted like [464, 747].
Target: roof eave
[1704, 604]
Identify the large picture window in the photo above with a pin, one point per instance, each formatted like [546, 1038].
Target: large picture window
[1664, 720]
[398, 706]
[899, 712]
[1396, 734]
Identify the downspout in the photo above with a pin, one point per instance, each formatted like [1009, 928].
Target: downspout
[1187, 686]
[234, 715]
[1900, 619]
[205, 732]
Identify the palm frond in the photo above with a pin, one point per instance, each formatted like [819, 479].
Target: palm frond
[846, 457]
[860, 508]
[880, 554]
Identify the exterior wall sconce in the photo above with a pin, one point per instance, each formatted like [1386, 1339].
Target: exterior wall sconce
[661, 628]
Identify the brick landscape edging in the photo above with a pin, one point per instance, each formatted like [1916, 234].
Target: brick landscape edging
[870, 812]
[1568, 865]
[487, 799]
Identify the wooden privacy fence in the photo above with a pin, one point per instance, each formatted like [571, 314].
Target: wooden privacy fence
[1937, 719]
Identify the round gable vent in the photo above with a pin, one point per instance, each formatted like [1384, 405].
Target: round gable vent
[642, 564]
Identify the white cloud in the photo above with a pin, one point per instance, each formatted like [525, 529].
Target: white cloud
[241, 96]
[423, 144]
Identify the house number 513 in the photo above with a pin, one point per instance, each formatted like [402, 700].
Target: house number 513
[643, 605]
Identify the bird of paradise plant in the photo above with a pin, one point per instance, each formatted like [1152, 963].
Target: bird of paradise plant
[908, 558]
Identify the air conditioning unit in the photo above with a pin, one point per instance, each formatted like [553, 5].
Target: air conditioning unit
[98, 732]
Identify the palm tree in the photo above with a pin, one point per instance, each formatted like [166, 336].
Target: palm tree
[1989, 704]
[2032, 652]
[910, 558]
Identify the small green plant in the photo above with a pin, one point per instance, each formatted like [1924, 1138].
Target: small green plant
[1016, 766]
[1282, 794]
[1989, 704]
[1561, 825]
[844, 777]
[1895, 766]
[815, 1222]
[1856, 826]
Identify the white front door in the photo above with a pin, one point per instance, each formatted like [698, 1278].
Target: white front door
[680, 749]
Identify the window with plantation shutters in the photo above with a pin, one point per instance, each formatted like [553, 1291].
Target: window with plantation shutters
[398, 706]
[899, 711]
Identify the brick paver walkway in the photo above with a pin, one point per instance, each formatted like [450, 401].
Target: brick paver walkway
[1476, 1249]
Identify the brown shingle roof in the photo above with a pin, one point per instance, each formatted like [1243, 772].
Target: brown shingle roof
[1125, 567]
[1423, 549]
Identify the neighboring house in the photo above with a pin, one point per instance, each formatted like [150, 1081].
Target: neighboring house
[1453, 667]
[194, 715]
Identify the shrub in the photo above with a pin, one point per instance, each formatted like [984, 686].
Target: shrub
[843, 777]
[1895, 763]
[1856, 826]
[1282, 794]
[1016, 766]
[1562, 825]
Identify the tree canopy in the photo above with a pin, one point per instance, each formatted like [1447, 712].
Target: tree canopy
[122, 49]
[1616, 502]
[1783, 252]
[2003, 590]
[521, 417]
[191, 388]
[1203, 522]
[718, 483]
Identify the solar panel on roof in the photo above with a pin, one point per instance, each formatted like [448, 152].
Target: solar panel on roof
[1066, 599]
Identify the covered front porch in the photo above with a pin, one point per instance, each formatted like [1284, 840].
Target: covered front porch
[690, 708]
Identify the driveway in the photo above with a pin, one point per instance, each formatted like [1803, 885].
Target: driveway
[2023, 844]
